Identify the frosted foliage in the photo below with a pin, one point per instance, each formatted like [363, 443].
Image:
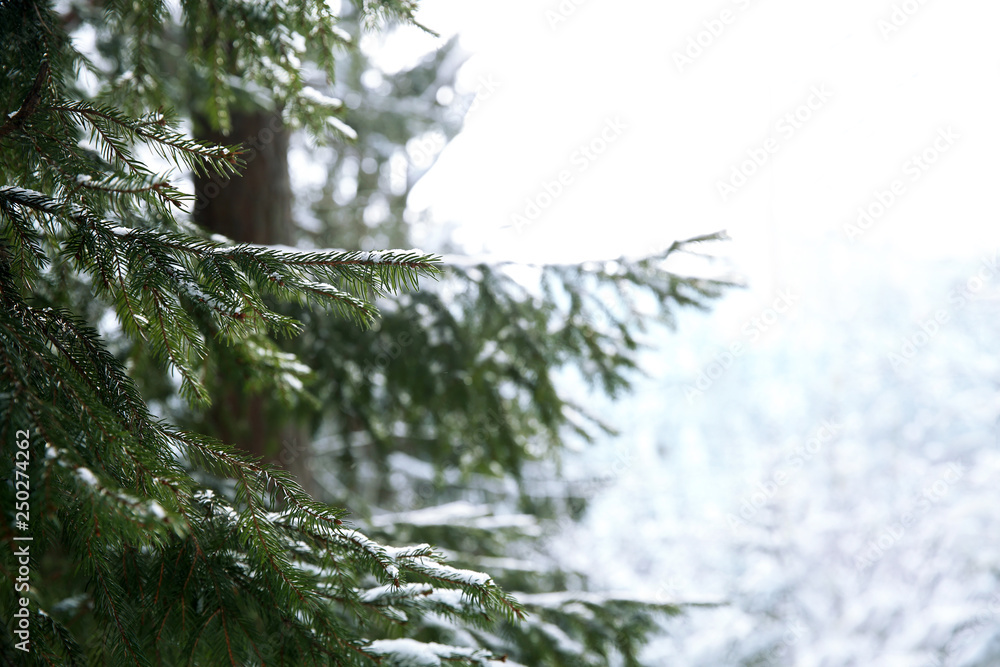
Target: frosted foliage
[836, 481]
[87, 476]
[411, 653]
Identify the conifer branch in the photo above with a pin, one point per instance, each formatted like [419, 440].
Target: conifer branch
[115, 129]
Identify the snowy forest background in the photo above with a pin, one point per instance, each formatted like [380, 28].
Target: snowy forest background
[889, 344]
[805, 584]
[806, 468]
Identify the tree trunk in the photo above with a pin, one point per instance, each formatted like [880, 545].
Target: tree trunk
[254, 207]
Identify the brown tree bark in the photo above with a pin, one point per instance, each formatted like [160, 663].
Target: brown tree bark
[254, 207]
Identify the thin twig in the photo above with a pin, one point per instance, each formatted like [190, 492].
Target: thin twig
[30, 102]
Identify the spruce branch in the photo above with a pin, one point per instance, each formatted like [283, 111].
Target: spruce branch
[117, 131]
[147, 275]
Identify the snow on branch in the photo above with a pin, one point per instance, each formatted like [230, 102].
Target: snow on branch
[412, 653]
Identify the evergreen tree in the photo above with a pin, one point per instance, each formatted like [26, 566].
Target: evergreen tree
[131, 329]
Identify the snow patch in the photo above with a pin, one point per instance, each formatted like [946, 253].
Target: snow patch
[342, 127]
[87, 476]
[317, 97]
[411, 653]
[157, 510]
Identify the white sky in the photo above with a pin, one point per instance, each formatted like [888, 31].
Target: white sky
[558, 85]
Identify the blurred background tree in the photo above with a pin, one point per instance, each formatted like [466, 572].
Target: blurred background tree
[442, 423]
